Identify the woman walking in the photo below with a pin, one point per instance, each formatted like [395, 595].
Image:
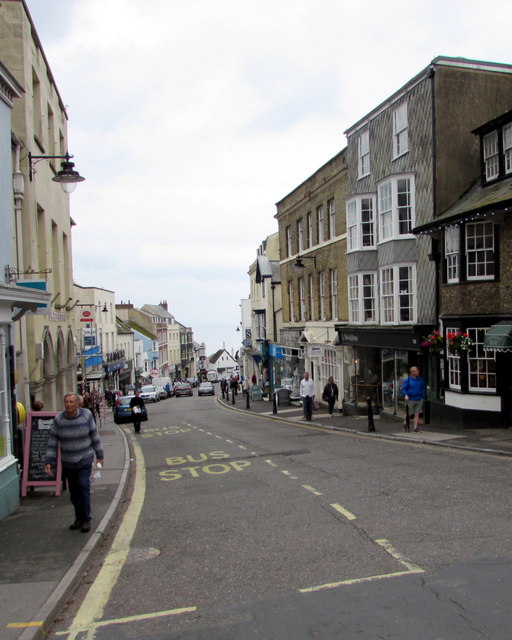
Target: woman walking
[330, 394]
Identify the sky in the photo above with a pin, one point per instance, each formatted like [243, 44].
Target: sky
[190, 119]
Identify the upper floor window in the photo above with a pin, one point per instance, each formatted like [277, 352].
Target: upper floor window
[300, 235]
[400, 131]
[361, 223]
[289, 241]
[309, 230]
[491, 157]
[480, 258]
[362, 298]
[331, 212]
[323, 295]
[320, 223]
[452, 253]
[311, 291]
[507, 147]
[334, 294]
[302, 299]
[398, 294]
[291, 302]
[396, 207]
[363, 154]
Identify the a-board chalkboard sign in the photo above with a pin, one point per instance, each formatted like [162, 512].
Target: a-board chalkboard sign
[37, 433]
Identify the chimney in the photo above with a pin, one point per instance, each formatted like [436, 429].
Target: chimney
[164, 305]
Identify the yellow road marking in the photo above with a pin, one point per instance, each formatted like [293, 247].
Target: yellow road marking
[313, 490]
[272, 464]
[23, 625]
[135, 618]
[333, 585]
[241, 446]
[289, 474]
[343, 511]
[98, 595]
[413, 568]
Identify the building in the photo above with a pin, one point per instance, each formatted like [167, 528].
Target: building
[46, 354]
[409, 160]
[15, 301]
[223, 364]
[474, 266]
[312, 239]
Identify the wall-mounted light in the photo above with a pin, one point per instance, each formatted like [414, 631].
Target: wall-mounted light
[67, 177]
[299, 265]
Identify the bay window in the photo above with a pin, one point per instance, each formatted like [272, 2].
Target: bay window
[396, 207]
[398, 294]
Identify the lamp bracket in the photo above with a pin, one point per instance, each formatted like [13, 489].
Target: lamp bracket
[11, 273]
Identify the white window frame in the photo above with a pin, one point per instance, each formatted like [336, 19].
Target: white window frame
[361, 227]
[362, 295]
[288, 241]
[291, 301]
[320, 223]
[334, 293]
[507, 147]
[392, 296]
[311, 292]
[481, 364]
[300, 235]
[452, 253]
[323, 294]
[302, 300]
[331, 215]
[400, 131]
[480, 251]
[395, 207]
[454, 374]
[491, 156]
[309, 230]
[363, 154]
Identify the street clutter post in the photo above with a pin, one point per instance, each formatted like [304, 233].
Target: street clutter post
[371, 424]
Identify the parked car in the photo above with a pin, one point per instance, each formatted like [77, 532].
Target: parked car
[183, 389]
[193, 382]
[206, 389]
[162, 393]
[149, 393]
[123, 412]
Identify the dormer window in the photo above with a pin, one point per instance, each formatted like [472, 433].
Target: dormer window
[491, 156]
[507, 147]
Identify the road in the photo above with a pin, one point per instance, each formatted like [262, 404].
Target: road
[243, 527]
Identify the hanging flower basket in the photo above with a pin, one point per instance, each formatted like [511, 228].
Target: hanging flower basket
[434, 342]
[458, 343]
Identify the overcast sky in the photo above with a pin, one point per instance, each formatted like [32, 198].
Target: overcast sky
[190, 119]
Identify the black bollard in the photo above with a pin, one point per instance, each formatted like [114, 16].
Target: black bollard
[232, 396]
[247, 403]
[371, 424]
[407, 418]
[274, 402]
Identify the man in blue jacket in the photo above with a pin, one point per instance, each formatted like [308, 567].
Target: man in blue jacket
[413, 389]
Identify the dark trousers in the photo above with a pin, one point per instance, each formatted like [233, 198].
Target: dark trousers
[80, 491]
[307, 406]
[330, 403]
[136, 422]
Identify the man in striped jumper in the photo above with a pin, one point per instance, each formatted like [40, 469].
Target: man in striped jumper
[75, 431]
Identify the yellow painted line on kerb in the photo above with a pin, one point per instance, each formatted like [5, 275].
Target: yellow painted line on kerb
[410, 570]
[23, 625]
[343, 511]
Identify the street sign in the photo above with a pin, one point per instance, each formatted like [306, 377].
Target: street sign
[87, 316]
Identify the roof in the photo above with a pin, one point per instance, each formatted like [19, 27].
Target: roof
[478, 201]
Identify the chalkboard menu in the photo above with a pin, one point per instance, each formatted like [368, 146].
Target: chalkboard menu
[37, 434]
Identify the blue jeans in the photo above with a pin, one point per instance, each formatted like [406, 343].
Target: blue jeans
[80, 491]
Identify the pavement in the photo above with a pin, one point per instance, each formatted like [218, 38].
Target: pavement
[42, 562]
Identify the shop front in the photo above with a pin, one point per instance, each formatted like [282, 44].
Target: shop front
[376, 361]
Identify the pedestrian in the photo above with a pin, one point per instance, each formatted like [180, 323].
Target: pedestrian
[38, 405]
[108, 397]
[307, 391]
[74, 430]
[137, 406]
[223, 387]
[413, 389]
[330, 394]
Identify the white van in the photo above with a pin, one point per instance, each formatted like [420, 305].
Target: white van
[160, 384]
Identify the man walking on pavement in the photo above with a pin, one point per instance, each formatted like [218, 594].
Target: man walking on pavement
[74, 429]
[413, 389]
[307, 391]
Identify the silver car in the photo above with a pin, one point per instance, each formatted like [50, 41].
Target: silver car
[149, 393]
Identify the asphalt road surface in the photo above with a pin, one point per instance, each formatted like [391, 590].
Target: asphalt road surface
[240, 527]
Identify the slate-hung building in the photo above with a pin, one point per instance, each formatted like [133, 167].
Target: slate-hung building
[474, 236]
[409, 160]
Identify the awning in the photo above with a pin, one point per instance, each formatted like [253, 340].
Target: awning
[499, 337]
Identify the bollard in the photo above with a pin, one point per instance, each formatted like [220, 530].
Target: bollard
[247, 403]
[274, 403]
[371, 424]
[232, 396]
[407, 418]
